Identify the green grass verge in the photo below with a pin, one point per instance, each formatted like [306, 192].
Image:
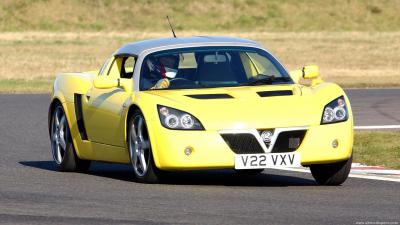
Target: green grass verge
[14, 86]
[377, 148]
[248, 15]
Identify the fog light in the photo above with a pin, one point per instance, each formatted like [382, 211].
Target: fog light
[188, 151]
[335, 143]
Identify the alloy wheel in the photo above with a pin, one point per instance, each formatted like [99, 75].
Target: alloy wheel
[139, 146]
[59, 135]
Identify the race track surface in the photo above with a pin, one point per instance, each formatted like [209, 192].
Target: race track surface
[32, 192]
[375, 106]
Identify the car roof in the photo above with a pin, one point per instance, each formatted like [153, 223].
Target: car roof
[136, 48]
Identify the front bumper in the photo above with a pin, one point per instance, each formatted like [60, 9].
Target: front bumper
[210, 150]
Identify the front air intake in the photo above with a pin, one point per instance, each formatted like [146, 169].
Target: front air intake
[275, 93]
[289, 141]
[209, 96]
[243, 143]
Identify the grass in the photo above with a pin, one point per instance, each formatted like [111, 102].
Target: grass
[205, 15]
[14, 86]
[351, 59]
[356, 43]
[379, 148]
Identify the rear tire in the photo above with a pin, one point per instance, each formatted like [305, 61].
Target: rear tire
[140, 151]
[331, 174]
[63, 151]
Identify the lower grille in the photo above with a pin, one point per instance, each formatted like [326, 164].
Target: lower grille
[288, 141]
[243, 143]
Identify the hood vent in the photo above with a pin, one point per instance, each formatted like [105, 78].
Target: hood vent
[209, 96]
[275, 93]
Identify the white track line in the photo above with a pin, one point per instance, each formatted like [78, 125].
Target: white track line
[379, 171]
[370, 177]
[378, 127]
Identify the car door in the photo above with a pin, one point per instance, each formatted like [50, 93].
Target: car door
[104, 109]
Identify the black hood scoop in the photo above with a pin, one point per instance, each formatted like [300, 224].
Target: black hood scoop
[210, 96]
[275, 93]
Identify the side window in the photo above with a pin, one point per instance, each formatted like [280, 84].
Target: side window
[187, 61]
[128, 64]
[248, 65]
[115, 68]
[122, 67]
[263, 65]
[105, 66]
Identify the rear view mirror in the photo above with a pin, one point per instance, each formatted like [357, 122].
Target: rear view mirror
[214, 58]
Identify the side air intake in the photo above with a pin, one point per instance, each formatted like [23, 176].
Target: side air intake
[79, 116]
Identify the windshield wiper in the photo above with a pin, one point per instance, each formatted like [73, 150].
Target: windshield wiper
[261, 79]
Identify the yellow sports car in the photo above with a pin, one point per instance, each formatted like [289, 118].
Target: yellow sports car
[200, 103]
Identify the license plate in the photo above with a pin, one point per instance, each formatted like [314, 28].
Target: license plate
[270, 160]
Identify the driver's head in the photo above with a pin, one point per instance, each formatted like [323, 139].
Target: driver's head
[170, 64]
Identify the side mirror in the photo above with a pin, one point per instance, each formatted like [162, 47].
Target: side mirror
[310, 72]
[102, 82]
[105, 82]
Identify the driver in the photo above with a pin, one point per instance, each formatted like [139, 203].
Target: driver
[167, 68]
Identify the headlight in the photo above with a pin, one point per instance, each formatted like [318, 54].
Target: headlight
[335, 111]
[177, 120]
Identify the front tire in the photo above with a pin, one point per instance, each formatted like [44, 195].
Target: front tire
[62, 147]
[331, 174]
[140, 151]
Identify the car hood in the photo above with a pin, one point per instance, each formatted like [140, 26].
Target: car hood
[246, 107]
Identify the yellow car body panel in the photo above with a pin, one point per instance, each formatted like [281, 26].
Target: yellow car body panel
[105, 113]
[209, 149]
[65, 86]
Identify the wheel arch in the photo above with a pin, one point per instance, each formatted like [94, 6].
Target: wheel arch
[326, 92]
[131, 110]
[53, 103]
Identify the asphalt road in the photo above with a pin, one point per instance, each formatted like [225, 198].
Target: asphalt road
[375, 106]
[32, 192]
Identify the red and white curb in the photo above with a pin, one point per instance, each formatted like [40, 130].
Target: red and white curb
[362, 171]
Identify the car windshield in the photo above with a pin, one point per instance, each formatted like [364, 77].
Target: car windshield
[211, 67]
